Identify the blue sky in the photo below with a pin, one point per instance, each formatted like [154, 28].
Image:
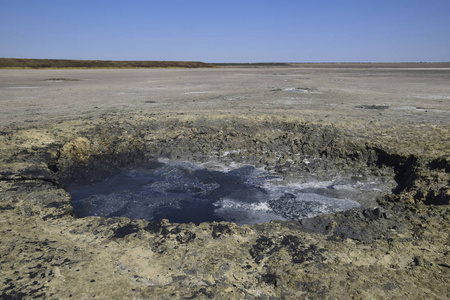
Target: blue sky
[227, 31]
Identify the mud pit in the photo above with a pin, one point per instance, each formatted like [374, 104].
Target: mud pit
[394, 245]
[183, 192]
[218, 188]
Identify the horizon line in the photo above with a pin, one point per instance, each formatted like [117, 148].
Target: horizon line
[257, 62]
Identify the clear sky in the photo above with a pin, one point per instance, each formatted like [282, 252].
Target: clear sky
[227, 31]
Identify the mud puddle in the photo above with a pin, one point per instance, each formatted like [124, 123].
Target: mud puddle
[184, 192]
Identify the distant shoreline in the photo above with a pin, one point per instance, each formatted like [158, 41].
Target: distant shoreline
[26, 63]
[420, 65]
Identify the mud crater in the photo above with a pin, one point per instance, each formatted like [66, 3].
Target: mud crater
[200, 175]
[184, 192]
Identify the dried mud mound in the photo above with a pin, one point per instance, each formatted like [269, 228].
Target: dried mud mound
[394, 247]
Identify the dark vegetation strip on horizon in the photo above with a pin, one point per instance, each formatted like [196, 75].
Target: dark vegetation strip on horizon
[26, 63]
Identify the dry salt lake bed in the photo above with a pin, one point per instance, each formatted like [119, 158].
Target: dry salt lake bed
[225, 183]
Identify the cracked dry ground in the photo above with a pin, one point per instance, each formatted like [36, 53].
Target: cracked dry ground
[368, 121]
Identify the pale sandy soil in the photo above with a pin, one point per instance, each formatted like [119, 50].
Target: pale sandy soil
[416, 96]
[316, 120]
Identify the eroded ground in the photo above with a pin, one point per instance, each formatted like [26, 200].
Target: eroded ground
[59, 124]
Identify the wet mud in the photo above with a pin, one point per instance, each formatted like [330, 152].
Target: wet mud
[391, 245]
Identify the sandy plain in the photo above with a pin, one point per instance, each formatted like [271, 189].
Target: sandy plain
[52, 121]
[412, 97]
[34, 95]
